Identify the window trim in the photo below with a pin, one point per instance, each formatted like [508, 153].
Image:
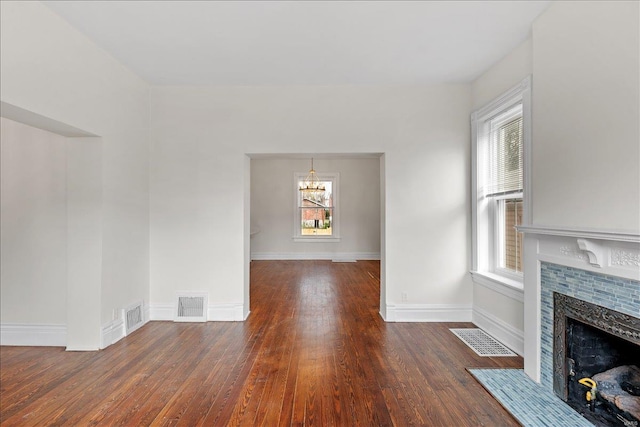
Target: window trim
[334, 177]
[483, 229]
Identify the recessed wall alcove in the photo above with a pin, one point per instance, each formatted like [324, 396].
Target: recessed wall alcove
[82, 244]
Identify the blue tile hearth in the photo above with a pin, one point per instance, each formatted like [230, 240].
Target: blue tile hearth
[530, 403]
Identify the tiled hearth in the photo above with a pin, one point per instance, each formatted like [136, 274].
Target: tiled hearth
[530, 403]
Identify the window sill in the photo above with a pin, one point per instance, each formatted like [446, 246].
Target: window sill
[509, 287]
[316, 239]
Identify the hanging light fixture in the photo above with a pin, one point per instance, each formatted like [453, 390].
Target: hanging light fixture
[311, 185]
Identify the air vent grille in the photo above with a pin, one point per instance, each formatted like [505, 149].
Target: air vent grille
[133, 317]
[481, 342]
[191, 307]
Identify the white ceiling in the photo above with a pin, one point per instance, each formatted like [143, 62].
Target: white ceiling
[304, 42]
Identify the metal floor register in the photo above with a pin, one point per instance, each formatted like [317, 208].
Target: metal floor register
[481, 342]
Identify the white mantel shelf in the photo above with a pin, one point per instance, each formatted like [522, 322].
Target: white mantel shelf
[621, 236]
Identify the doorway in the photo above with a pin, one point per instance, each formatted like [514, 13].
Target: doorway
[270, 210]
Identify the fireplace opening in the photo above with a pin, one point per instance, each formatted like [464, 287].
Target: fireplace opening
[597, 357]
[613, 363]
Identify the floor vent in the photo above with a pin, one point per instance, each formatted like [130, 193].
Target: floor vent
[191, 307]
[481, 342]
[133, 317]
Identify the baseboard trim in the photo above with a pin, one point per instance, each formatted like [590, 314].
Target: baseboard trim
[161, 312]
[111, 333]
[22, 334]
[499, 329]
[215, 312]
[336, 256]
[428, 313]
[225, 313]
[82, 349]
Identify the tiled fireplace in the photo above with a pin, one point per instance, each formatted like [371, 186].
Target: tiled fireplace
[618, 294]
[595, 277]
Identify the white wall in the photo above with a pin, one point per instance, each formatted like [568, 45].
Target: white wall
[200, 136]
[52, 70]
[503, 75]
[33, 225]
[84, 244]
[272, 201]
[586, 133]
[586, 146]
[383, 234]
[586, 113]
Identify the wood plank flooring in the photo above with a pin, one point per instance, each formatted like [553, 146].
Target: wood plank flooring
[313, 352]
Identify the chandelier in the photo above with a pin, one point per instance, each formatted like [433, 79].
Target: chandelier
[312, 185]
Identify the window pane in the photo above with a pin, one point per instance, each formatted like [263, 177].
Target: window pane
[324, 198]
[316, 211]
[512, 241]
[316, 221]
[504, 168]
[511, 139]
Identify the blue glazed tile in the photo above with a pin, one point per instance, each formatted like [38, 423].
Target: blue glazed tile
[530, 403]
[608, 291]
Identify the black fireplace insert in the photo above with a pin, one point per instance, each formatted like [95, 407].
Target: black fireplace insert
[597, 361]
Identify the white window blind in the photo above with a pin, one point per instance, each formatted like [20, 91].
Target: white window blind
[504, 169]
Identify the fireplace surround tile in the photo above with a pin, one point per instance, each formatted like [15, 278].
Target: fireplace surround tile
[612, 292]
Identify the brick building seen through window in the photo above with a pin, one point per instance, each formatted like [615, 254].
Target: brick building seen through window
[316, 216]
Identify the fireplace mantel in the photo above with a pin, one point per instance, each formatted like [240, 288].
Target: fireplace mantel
[610, 253]
[617, 236]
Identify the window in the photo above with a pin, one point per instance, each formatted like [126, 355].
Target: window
[502, 185]
[500, 133]
[316, 213]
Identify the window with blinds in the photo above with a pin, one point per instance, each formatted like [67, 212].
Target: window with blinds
[500, 146]
[504, 168]
[504, 185]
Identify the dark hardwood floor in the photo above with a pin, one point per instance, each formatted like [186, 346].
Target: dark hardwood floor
[314, 351]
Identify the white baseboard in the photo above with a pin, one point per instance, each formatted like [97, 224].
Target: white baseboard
[111, 333]
[33, 335]
[162, 312]
[428, 313]
[337, 256]
[499, 329]
[215, 312]
[82, 349]
[225, 313]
